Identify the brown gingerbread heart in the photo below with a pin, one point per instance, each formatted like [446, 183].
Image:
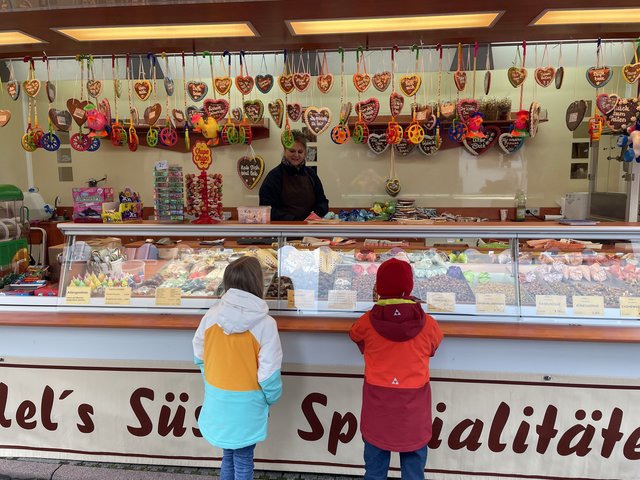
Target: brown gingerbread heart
[544, 76]
[460, 79]
[516, 76]
[396, 102]
[51, 91]
[94, 88]
[152, 114]
[77, 111]
[301, 81]
[250, 170]
[197, 90]
[179, 120]
[382, 80]
[264, 83]
[244, 84]
[142, 88]
[222, 85]
[294, 111]
[631, 72]
[324, 82]
[5, 116]
[13, 89]
[409, 84]
[361, 81]
[217, 108]
[286, 83]
[392, 186]
[31, 87]
[61, 119]
[237, 113]
[368, 109]
[254, 110]
[317, 119]
[276, 110]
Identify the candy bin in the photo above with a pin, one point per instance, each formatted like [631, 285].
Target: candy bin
[14, 230]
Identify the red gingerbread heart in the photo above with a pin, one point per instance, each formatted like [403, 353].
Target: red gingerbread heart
[368, 109]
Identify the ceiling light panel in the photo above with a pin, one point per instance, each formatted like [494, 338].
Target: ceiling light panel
[163, 32]
[16, 37]
[394, 24]
[587, 16]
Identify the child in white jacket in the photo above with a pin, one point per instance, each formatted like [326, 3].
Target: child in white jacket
[237, 348]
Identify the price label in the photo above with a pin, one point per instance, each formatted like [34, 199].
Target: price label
[301, 299]
[441, 301]
[588, 305]
[78, 295]
[168, 297]
[342, 300]
[630, 306]
[490, 302]
[117, 296]
[551, 305]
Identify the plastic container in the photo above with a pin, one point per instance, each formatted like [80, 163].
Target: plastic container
[260, 214]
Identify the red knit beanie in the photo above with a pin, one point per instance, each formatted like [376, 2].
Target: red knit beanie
[394, 279]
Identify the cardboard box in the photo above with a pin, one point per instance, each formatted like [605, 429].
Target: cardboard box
[54, 264]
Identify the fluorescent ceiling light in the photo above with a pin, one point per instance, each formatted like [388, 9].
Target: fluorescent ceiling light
[154, 32]
[16, 37]
[394, 24]
[589, 15]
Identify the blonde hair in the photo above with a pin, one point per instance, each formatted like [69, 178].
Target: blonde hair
[245, 274]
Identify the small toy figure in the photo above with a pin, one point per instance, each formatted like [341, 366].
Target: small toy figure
[519, 128]
[208, 128]
[474, 126]
[96, 121]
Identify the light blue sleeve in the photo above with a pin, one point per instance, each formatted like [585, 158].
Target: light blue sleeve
[272, 387]
[200, 363]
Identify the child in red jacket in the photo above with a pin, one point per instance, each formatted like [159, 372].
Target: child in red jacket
[397, 339]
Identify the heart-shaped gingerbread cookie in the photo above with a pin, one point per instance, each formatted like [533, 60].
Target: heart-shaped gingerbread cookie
[392, 186]
[467, 107]
[460, 79]
[479, 145]
[286, 83]
[13, 89]
[544, 76]
[152, 114]
[179, 119]
[222, 85]
[264, 83]
[516, 76]
[294, 111]
[381, 80]
[51, 91]
[598, 77]
[237, 114]
[607, 102]
[509, 143]
[217, 108]
[254, 110]
[250, 170]
[77, 111]
[429, 145]
[324, 82]
[244, 84]
[377, 142]
[631, 72]
[301, 81]
[61, 119]
[276, 110]
[197, 90]
[361, 81]
[368, 109]
[94, 88]
[396, 102]
[142, 89]
[5, 116]
[317, 119]
[31, 87]
[409, 84]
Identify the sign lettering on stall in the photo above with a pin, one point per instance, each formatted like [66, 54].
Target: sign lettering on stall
[490, 302]
[117, 295]
[551, 305]
[630, 306]
[168, 297]
[301, 299]
[78, 295]
[588, 305]
[441, 301]
[342, 300]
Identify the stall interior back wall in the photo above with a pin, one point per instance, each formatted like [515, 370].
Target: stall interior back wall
[353, 176]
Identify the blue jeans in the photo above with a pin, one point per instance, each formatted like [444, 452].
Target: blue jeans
[376, 463]
[237, 464]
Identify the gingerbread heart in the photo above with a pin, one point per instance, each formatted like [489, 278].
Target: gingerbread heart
[516, 76]
[276, 110]
[544, 76]
[405, 147]
[250, 170]
[467, 107]
[624, 115]
[510, 144]
[244, 84]
[534, 118]
[294, 111]
[191, 111]
[179, 120]
[317, 119]
[61, 119]
[301, 81]
[197, 90]
[117, 87]
[222, 85]
[345, 111]
[216, 109]
[409, 84]
[487, 82]
[5, 116]
[135, 118]
[51, 91]
[460, 79]
[598, 76]
[392, 186]
[77, 111]
[429, 145]
[13, 89]
[478, 146]
[324, 82]
[237, 114]
[368, 109]
[382, 80]
[105, 108]
[286, 83]
[152, 114]
[631, 72]
[447, 109]
[264, 83]
[94, 88]
[31, 87]
[607, 102]
[361, 81]
[377, 142]
[169, 85]
[254, 110]
[396, 102]
[143, 89]
[430, 123]
[575, 114]
[421, 112]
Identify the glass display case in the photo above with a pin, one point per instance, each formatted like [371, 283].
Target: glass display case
[490, 272]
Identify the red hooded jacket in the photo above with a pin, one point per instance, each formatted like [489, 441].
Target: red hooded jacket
[397, 339]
